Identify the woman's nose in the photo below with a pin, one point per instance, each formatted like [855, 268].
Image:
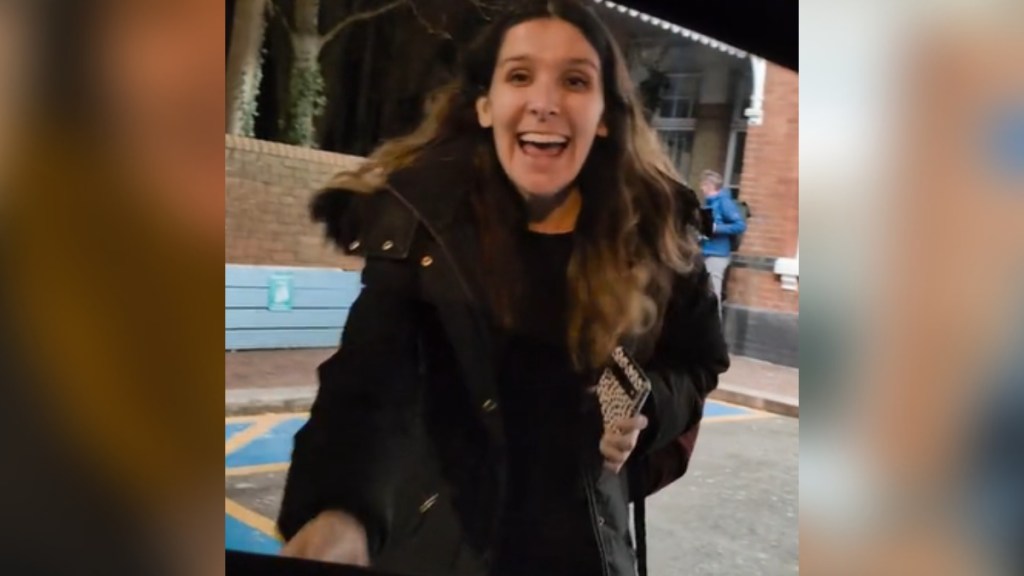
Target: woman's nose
[543, 102]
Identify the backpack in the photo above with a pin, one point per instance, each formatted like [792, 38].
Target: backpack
[736, 239]
[669, 463]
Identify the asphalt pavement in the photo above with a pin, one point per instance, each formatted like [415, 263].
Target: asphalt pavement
[733, 514]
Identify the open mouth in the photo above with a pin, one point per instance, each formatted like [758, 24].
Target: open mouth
[540, 144]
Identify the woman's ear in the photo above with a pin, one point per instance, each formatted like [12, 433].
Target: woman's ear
[483, 112]
[602, 129]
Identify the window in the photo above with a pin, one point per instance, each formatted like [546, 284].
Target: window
[675, 118]
[679, 96]
[678, 145]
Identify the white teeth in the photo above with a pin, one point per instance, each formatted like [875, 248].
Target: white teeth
[540, 138]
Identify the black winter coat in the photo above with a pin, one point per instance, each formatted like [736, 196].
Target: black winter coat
[406, 432]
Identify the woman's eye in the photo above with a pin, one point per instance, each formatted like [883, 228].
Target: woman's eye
[518, 77]
[578, 82]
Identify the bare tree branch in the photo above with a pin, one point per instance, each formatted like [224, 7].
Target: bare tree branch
[489, 9]
[333, 32]
[482, 5]
[426, 23]
[274, 10]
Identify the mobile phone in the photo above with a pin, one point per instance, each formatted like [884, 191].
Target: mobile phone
[622, 388]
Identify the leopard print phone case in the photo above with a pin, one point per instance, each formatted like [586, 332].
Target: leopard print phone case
[622, 388]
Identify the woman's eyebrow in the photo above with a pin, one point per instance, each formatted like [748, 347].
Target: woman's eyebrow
[572, 61]
[585, 62]
[510, 59]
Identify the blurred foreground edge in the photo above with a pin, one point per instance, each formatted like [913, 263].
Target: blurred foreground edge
[248, 564]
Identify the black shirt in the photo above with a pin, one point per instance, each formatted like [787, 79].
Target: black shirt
[546, 526]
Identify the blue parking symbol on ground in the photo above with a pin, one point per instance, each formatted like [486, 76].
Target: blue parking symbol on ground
[232, 429]
[717, 409]
[239, 536]
[273, 447]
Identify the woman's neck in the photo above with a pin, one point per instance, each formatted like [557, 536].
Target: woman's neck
[556, 214]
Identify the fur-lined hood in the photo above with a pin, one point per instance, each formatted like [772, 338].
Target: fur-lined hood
[434, 186]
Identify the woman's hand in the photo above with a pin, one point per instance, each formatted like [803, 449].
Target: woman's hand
[333, 536]
[619, 440]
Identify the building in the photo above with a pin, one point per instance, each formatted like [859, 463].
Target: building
[718, 107]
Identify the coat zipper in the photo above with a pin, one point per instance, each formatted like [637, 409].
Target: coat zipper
[594, 515]
[480, 325]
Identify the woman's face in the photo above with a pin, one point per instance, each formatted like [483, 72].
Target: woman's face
[545, 105]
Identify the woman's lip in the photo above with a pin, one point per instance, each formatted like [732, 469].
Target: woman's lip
[564, 139]
[541, 155]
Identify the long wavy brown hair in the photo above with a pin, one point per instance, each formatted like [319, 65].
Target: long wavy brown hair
[634, 233]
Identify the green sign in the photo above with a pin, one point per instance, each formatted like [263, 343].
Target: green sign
[279, 292]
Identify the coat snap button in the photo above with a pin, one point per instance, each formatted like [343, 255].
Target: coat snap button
[353, 246]
[387, 245]
[426, 261]
[490, 405]
[600, 520]
[428, 503]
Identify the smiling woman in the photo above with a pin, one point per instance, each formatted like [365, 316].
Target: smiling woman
[530, 226]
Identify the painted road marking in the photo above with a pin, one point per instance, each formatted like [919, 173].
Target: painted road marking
[248, 531]
[737, 418]
[738, 407]
[262, 444]
[258, 469]
[250, 418]
[715, 409]
[251, 433]
[232, 428]
[272, 445]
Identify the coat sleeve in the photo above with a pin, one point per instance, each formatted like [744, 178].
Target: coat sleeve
[732, 219]
[349, 453]
[688, 358]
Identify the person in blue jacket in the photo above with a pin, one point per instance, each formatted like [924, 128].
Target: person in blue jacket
[728, 221]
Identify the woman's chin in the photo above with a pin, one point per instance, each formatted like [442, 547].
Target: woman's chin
[540, 190]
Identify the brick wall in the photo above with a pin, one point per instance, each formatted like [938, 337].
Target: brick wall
[760, 289]
[770, 186]
[771, 169]
[268, 188]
